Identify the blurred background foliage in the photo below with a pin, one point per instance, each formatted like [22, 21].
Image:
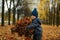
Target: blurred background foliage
[49, 10]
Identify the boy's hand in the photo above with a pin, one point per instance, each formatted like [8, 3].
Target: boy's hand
[31, 31]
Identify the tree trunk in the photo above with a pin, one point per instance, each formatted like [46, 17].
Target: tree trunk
[9, 12]
[14, 13]
[57, 20]
[2, 13]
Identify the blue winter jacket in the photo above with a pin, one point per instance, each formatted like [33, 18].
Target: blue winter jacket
[36, 24]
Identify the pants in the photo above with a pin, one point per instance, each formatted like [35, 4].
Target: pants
[37, 37]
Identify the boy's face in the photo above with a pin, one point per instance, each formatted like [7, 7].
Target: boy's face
[33, 17]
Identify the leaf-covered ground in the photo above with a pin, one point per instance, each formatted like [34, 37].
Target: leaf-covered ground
[49, 33]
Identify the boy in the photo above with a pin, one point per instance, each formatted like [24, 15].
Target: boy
[36, 24]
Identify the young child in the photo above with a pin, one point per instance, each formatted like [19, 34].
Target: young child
[36, 24]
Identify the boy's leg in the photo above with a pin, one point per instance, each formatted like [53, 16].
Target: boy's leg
[37, 37]
[34, 37]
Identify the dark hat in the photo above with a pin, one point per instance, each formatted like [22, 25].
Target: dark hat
[35, 12]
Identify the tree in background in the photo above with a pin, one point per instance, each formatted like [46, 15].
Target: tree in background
[9, 11]
[58, 14]
[2, 21]
[14, 11]
[23, 8]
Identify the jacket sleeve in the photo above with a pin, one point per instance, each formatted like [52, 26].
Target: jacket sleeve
[33, 25]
